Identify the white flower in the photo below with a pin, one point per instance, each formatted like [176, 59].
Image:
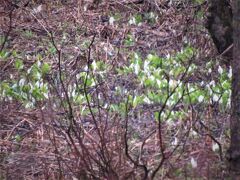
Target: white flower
[158, 82]
[170, 102]
[85, 8]
[136, 56]
[193, 162]
[193, 133]
[132, 21]
[38, 75]
[230, 73]
[212, 83]
[215, 147]
[175, 142]
[85, 68]
[37, 84]
[39, 63]
[209, 89]
[215, 97]
[111, 20]
[221, 101]
[152, 15]
[152, 78]
[209, 70]
[168, 56]
[38, 9]
[170, 123]
[146, 66]
[22, 82]
[220, 70]
[229, 103]
[150, 57]
[191, 89]
[136, 68]
[200, 98]
[94, 65]
[172, 82]
[45, 95]
[28, 57]
[28, 71]
[146, 100]
[190, 69]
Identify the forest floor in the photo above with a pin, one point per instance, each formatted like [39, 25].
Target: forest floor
[34, 128]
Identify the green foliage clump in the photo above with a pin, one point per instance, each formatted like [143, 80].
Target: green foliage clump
[169, 83]
[29, 87]
[166, 82]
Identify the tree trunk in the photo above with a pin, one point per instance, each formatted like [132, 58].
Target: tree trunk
[233, 154]
[219, 25]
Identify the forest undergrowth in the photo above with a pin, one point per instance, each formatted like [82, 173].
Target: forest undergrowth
[111, 90]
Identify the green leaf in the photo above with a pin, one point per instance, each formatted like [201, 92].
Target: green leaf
[36, 93]
[137, 100]
[45, 68]
[35, 72]
[52, 50]
[138, 18]
[156, 115]
[18, 138]
[155, 61]
[3, 54]
[19, 64]
[26, 88]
